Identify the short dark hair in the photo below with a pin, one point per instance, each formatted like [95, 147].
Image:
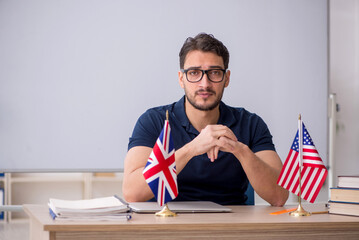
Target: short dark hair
[206, 43]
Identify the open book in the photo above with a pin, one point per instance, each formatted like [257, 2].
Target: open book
[97, 209]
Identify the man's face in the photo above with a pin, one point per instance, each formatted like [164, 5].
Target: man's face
[204, 95]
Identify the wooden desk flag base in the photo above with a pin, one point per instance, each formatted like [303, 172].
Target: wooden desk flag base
[166, 212]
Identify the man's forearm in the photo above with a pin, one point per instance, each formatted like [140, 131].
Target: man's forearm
[183, 156]
[135, 187]
[262, 170]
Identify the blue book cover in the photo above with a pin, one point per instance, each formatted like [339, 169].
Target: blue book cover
[53, 215]
[343, 202]
[345, 188]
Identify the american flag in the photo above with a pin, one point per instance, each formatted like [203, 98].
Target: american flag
[313, 171]
[160, 170]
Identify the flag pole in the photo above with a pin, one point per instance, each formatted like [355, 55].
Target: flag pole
[166, 212]
[300, 210]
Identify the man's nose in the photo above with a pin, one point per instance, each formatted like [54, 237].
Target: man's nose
[205, 80]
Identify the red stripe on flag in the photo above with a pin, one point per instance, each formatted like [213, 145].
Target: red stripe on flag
[305, 150]
[314, 165]
[296, 185]
[311, 158]
[293, 178]
[281, 175]
[284, 176]
[162, 193]
[308, 183]
[319, 185]
[294, 164]
[165, 137]
[311, 184]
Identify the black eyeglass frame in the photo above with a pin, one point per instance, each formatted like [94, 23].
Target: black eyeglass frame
[204, 72]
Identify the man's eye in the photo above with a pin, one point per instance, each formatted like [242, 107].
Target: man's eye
[193, 72]
[215, 72]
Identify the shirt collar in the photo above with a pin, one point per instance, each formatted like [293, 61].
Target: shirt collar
[180, 113]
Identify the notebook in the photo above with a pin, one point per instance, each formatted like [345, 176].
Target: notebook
[179, 207]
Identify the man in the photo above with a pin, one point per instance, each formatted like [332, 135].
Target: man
[218, 148]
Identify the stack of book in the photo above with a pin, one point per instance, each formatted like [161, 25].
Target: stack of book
[97, 209]
[344, 199]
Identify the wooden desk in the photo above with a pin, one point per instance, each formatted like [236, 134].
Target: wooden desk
[245, 222]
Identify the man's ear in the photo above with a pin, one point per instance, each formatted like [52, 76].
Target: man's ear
[180, 78]
[227, 78]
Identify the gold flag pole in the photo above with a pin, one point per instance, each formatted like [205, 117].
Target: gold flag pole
[166, 212]
[300, 210]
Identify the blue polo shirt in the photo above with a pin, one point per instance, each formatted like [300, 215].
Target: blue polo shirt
[222, 181]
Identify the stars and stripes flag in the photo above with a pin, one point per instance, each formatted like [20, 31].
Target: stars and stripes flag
[160, 170]
[313, 171]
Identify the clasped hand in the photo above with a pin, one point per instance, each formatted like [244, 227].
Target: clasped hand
[215, 138]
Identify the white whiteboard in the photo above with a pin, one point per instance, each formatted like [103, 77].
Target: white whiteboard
[76, 75]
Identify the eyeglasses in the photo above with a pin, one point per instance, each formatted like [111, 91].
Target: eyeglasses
[196, 75]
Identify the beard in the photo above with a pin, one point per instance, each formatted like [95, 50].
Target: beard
[204, 107]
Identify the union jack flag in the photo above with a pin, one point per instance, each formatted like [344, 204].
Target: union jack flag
[313, 171]
[160, 171]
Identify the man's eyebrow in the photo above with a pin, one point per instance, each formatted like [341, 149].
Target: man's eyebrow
[191, 68]
[210, 67]
[220, 67]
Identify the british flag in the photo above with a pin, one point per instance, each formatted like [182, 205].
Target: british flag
[313, 171]
[160, 170]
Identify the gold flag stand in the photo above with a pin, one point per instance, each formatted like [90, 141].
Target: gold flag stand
[300, 212]
[166, 212]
